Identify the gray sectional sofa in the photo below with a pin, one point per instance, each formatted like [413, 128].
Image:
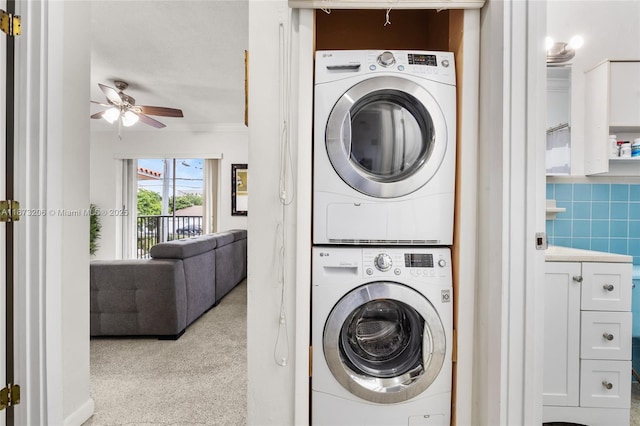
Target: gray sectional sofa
[161, 296]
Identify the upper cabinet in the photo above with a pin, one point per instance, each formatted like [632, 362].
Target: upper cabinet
[385, 4]
[612, 107]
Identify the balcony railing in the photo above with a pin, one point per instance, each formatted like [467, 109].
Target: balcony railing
[152, 230]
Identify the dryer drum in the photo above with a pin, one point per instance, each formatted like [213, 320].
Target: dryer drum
[384, 342]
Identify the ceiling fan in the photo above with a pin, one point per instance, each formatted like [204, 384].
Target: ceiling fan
[123, 108]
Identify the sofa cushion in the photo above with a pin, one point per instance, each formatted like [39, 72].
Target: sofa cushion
[137, 297]
[224, 238]
[239, 234]
[182, 249]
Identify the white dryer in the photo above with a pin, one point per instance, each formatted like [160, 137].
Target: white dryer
[384, 147]
[381, 336]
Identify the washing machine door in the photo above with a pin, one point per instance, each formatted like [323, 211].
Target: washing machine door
[386, 136]
[384, 342]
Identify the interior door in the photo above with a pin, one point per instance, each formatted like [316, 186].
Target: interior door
[6, 229]
[3, 227]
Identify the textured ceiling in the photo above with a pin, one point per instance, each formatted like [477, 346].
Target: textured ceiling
[181, 54]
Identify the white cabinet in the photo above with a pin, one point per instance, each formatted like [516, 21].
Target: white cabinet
[587, 343]
[612, 106]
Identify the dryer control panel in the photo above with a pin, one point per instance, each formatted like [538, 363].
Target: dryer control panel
[338, 64]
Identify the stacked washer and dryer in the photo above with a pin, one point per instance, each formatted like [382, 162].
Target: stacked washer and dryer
[383, 204]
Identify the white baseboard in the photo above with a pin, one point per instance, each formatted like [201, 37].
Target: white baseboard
[82, 414]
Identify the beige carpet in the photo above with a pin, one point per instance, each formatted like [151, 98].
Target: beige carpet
[199, 379]
[635, 404]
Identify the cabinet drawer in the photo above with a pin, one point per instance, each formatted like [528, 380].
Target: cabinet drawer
[605, 335]
[605, 384]
[606, 286]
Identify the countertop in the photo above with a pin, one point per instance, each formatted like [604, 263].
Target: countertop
[567, 254]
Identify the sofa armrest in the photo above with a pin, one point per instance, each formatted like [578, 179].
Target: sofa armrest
[138, 297]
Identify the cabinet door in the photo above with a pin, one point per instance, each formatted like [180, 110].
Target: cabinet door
[596, 120]
[606, 286]
[561, 334]
[624, 108]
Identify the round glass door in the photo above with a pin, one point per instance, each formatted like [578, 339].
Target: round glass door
[384, 342]
[386, 137]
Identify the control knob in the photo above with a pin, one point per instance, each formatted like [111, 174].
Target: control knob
[383, 262]
[442, 263]
[386, 59]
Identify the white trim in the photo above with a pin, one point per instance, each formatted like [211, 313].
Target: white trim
[467, 217]
[508, 369]
[38, 331]
[174, 127]
[158, 154]
[304, 122]
[81, 415]
[386, 4]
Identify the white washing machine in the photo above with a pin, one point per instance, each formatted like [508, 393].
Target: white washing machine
[381, 335]
[384, 147]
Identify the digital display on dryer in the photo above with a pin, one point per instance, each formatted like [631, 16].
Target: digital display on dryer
[415, 260]
[421, 59]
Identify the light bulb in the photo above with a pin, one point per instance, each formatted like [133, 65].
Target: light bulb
[576, 42]
[111, 115]
[548, 43]
[129, 119]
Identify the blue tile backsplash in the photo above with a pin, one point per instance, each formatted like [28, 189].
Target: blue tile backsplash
[602, 217]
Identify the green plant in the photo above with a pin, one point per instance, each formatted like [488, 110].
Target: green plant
[149, 203]
[94, 229]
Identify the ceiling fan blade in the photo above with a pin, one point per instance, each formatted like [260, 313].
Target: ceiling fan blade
[98, 114]
[165, 112]
[101, 103]
[111, 94]
[150, 121]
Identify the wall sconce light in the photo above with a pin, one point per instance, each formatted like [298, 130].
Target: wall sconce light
[559, 52]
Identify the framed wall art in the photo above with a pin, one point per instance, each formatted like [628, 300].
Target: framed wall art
[239, 190]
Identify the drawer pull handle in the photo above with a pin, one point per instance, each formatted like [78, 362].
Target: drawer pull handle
[608, 287]
[607, 385]
[607, 336]
[577, 278]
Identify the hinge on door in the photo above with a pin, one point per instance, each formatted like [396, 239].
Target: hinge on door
[10, 24]
[9, 396]
[9, 211]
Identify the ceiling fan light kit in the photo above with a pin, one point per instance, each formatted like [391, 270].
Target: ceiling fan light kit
[123, 108]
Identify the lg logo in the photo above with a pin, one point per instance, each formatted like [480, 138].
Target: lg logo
[322, 254]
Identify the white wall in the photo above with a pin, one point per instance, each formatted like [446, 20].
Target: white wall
[272, 388]
[611, 30]
[229, 144]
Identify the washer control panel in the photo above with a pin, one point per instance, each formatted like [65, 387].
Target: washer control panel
[410, 262]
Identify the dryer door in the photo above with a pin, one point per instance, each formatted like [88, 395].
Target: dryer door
[386, 137]
[384, 342]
